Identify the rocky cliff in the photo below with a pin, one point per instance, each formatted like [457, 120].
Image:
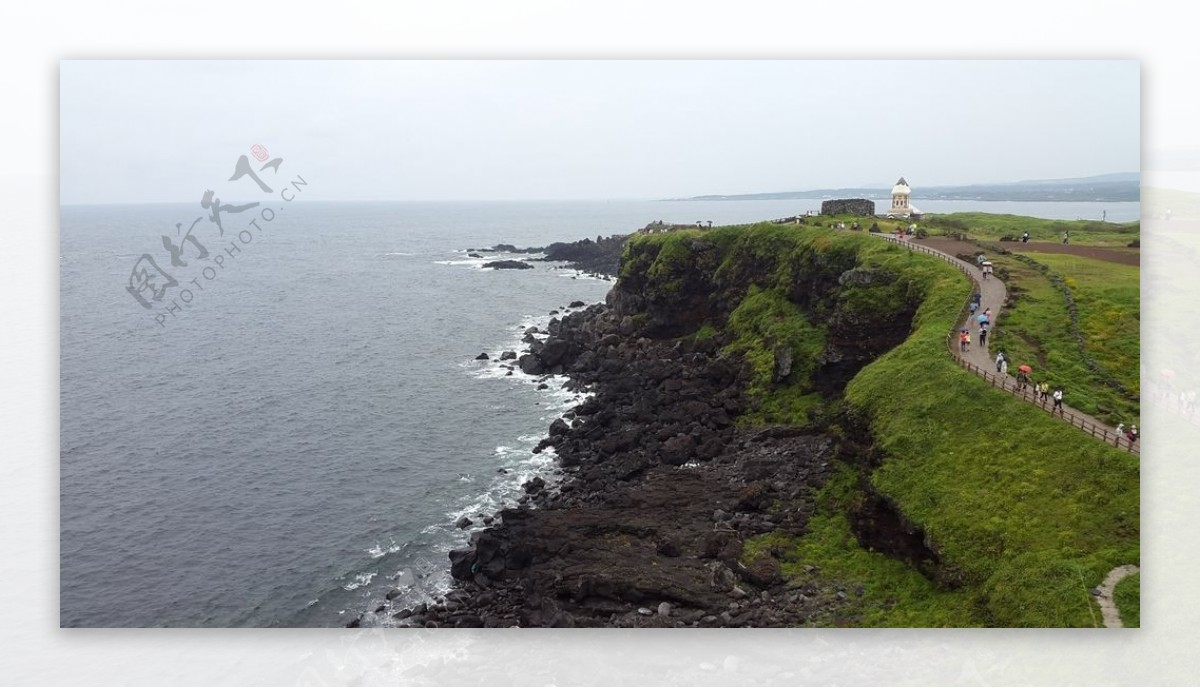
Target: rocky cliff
[716, 366]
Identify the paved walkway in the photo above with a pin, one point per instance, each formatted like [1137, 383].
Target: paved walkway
[981, 361]
[1108, 607]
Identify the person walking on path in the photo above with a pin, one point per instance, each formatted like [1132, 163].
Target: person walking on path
[1066, 237]
[1058, 396]
[999, 360]
[1120, 429]
[1004, 367]
[964, 340]
[1025, 238]
[983, 336]
[1043, 391]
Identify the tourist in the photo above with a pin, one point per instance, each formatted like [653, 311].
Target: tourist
[1025, 238]
[999, 360]
[1133, 434]
[983, 336]
[1120, 429]
[964, 340]
[1066, 238]
[1058, 396]
[1043, 391]
[1004, 367]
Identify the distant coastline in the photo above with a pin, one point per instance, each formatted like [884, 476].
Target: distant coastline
[1108, 188]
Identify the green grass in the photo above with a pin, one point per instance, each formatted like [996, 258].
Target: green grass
[764, 322]
[993, 226]
[1128, 598]
[893, 594]
[1014, 500]
[1025, 512]
[1036, 330]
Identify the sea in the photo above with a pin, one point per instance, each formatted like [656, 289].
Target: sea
[284, 428]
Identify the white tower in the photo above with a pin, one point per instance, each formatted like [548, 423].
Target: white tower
[900, 205]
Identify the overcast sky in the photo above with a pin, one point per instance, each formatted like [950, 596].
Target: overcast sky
[160, 131]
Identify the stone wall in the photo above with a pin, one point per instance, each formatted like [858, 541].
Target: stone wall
[848, 206]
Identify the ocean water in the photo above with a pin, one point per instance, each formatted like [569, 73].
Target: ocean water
[297, 436]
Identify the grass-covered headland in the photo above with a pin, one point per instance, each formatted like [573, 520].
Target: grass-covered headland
[990, 512]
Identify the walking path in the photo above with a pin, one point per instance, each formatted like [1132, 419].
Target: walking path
[1108, 608]
[979, 359]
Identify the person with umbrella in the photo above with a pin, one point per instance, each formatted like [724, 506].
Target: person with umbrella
[1023, 372]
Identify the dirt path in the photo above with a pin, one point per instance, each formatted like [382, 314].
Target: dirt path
[1112, 619]
[979, 359]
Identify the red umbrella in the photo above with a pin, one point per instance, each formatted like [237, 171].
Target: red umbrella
[1025, 369]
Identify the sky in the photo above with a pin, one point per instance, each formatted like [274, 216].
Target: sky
[407, 130]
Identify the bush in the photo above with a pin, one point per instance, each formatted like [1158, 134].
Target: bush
[1136, 243]
[921, 233]
[874, 227]
[1008, 237]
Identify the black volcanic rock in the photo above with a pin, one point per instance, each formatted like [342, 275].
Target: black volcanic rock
[508, 265]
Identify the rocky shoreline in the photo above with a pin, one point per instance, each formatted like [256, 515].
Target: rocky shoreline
[660, 491]
[600, 257]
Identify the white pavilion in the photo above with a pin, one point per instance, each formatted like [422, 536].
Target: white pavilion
[901, 207]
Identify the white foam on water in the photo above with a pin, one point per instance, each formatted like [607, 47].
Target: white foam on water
[517, 460]
[474, 263]
[379, 551]
[580, 274]
[360, 580]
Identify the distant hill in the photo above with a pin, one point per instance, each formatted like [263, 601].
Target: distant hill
[1121, 186]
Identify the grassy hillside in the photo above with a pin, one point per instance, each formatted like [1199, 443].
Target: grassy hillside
[1024, 512]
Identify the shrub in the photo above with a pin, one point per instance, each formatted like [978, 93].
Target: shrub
[874, 227]
[921, 233]
[1136, 243]
[1008, 237]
